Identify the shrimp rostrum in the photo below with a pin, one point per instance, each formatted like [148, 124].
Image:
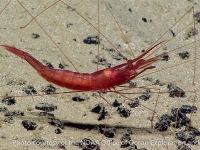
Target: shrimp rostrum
[100, 80]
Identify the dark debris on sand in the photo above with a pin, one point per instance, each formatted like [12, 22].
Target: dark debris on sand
[184, 55]
[123, 112]
[100, 109]
[48, 63]
[9, 100]
[46, 107]
[144, 97]
[29, 90]
[107, 131]
[175, 91]
[14, 113]
[116, 103]
[49, 89]
[179, 119]
[87, 144]
[29, 125]
[56, 122]
[91, 40]
[78, 99]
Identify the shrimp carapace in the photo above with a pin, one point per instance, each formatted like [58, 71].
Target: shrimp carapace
[100, 80]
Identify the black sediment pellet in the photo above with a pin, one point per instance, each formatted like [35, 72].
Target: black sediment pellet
[62, 145]
[197, 17]
[188, 109]
[175, 91]
[157, 82]
[180, 120]
[3, 109]
[190, 33]
[134, 103]
[143, 51]
[124, 112]
[184, 55]
[184, 121]
[177, 112]
[166, 118]
[44, 113]
[129, 131]
[189, 137]
[29, 125]
[78, 99]
[102, 114]
[165, 57]
[144, 97]
[125, 140]
[161, 126]
[144, 19]
[9, 119]
[56, 122]
[46, 107]
[148, 79]
[179, 115]
[14, 113]
[116, 103]
[107, 131]
[102, 61]
[132, 84]
[117, 56]
[30, 90]
[35, 35]
[183, 147]
[87, 144]
[9, 100]
[48, 63]
[97, 108]
[38, 142]
[181, 136]
[192, 129]
[192, 139]
[91, 40]
[164, 123]
[50, 89]
[100, 109]
[61, 66]
[172, 32]
[58, 131]
[69, 25]
[177, 125]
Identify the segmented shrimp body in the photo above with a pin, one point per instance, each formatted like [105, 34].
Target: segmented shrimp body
[100, 80]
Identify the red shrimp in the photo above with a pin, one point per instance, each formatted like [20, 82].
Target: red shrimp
[100, 80]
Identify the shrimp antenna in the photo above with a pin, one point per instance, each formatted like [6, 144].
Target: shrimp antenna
[139, 57]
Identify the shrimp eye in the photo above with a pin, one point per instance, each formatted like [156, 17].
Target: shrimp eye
[116, 69]
[129, 64]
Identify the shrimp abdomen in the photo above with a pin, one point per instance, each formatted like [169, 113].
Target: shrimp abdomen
[66, 78]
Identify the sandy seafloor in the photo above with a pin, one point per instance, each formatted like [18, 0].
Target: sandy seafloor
[64, 25]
